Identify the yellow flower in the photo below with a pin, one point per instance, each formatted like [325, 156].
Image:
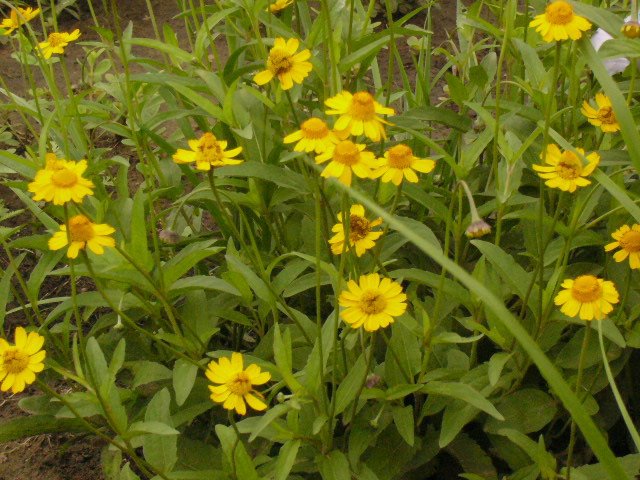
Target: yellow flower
[56, 42]
[372, 303]
[82, 233]
[587, 296]
[61, 181]
[558, 22]
[285, 63]
[278, 5]
[19, 363]
[603, 117]
[399, 162]
[19, 16]
[347, 157]
[314, 135]
[235, 384]
[360, 235]
[208, 152]
[359, 114]
[564, 170]
[627, 239]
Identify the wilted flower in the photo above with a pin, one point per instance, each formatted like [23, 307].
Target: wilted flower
[478, 229]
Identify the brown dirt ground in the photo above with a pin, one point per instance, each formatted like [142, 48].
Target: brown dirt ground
[69, 457]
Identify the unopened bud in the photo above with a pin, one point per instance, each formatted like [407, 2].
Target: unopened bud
[631, 29]
[169, 237]
[478, 229]
[373, 380]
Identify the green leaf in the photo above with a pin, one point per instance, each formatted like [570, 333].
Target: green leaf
[145, 372]
[463, 392]
[286, 458]
[184, 376]
[349, 386]
[203, 282]
[161, 451]
[333, 466]
[527, 410]
[23, 427]
[403, 419]
[154, 427]
[236, 454]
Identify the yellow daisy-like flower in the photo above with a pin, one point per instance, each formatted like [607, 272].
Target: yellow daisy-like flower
[286, 64]
[558, 22]
[627, 239]
[372, 303]
[603, 117]
[233, 384]
[631, 29]
[278, 5]
[19, 16]
[347, 158]
[587, 296]
[208, 152]
[61, 181]
[57, 42]
[564, 170]
[314, 135]
[360, 234]
[20, 362]
[359, 114]
[399, 162]
[82, 233]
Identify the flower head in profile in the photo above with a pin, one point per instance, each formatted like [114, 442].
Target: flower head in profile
[283, 62]
[399, 162]
[559, 22]
[347, 158]
[564, 170]
[233, 384]
[314, 135]
[19, 16]
[279, 5]
[362, 237]
[627, 239]
[82, 233]
[57, 42]
[372, 303]
[478, 229]
[587, 297]
[631, 29]
[359, 114]
[208, 152]
[61, 181]
[20, 362]
[603, 116]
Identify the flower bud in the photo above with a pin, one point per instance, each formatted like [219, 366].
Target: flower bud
[631, 29]
[478, 229]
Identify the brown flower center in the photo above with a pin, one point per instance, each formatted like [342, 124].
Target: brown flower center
[279, 61]
[569, 167]
[240, 384]
[359, 228]
[80, 229]
[400, 156]
[209, 149]
[56, 39]
[64, 178]
[606, 115]
[630, 241]
[372, 303]
[15, 361]
[559, 13]
[347, 153]
[586, 288]
[362, 106]
[314, 128]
